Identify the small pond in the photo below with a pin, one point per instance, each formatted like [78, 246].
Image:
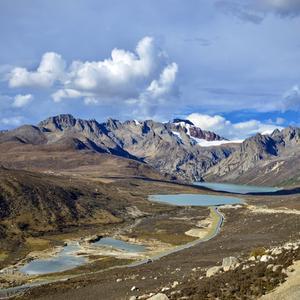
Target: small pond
[237, 188]
[195, 199]
[64, 260]
[120, 245]
[67, 258]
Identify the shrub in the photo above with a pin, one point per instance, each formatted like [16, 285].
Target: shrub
[259, 251]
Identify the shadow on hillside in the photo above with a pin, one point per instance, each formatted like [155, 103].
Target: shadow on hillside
[283, 192]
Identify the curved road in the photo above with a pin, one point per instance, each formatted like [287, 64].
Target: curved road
[13, 291]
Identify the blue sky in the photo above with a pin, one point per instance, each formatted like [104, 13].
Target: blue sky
[231, 66]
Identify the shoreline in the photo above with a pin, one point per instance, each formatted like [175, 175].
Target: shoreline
[216, 227]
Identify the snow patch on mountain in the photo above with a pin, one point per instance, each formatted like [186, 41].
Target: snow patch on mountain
[205, 143]
[178, 136]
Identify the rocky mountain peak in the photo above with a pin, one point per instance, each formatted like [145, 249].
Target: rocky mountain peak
[197, 132]
[193, 131]
[68, 122]
[113, 123]
[291, 133]
[260, 145]
[184, 121]
[58, 122]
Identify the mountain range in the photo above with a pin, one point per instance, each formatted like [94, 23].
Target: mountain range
[177, 150]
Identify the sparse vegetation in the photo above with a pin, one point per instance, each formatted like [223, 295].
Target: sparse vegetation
[250, 283]
[259, 251]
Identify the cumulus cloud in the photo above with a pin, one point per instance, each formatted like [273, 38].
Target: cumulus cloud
[66, 93]
[121, 74]
[22, 100]
[255, 10]
[234, 131]
[156, 93]
[144, 76]
[50, 69]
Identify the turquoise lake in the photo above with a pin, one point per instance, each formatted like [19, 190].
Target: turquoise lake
[237, 188]
[67, 259]
[118, 244]
[195, 200]
[64, 260]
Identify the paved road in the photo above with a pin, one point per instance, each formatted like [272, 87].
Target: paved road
[13, 291]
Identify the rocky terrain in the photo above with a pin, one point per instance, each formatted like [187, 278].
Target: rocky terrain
[66, 179]
[174, 149]
[31, 203]
[170, 148]
[252, 256]
[247, 278]
[244, 278]
[262, 159]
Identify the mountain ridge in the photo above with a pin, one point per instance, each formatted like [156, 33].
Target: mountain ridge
[172, 148]
[167, 147]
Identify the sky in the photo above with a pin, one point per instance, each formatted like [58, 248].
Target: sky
[230, 66]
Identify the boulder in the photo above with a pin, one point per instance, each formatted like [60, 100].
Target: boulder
[159, 296]
[229, 263]
[145, 296]
[276, 268]
[265, 258]
[276, 251]
[288, 246]
[213, 271]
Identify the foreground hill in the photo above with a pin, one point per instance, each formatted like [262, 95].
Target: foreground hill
[36, 203]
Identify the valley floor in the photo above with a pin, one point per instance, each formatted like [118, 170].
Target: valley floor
[265, 221]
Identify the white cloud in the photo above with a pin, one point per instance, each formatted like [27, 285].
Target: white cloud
[12, 121]
[157, 94]
[22, 100]
[50, 69]
[206, 122]
[144, 76]
[65, 94]
[121, 74]
[279, 121]
[227, 129]
[91, 101]
[165, 82]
